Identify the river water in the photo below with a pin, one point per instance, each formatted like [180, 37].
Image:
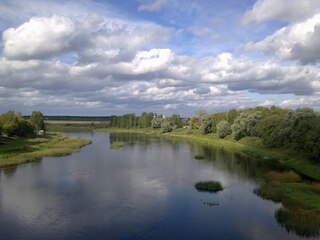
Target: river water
[144, 190]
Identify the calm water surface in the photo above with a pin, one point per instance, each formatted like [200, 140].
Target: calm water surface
[143, 191]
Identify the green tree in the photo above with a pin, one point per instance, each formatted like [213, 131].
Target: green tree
[13, 124]
[37, 119]
[239, 126]
[166, 127]
[268, 129]
[194, 124]
[232, 114]
[223, 129]
[145, 120]
[175, 120]
[157, 121]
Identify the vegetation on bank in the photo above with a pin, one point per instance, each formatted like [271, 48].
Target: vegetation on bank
[293, 130]
[300, 211]
[14, 151]
[209, 186]
[25, 140]
[14, 124]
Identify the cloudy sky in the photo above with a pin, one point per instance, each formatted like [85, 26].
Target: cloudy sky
[90, 57]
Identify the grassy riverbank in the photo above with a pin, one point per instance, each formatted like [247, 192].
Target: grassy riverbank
[14, 151]
[249, 145]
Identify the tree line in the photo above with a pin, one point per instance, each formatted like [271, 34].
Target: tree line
[14, 124]
[147, 120]
[277, 128]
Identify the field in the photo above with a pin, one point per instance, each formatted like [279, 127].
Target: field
[74, 126]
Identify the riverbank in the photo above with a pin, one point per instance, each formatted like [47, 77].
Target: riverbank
[248, 145]
[14, 151]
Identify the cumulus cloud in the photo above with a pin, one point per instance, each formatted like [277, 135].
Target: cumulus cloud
[154, 79]
[297, 41]
[284, 10]
[156, 5]
[39, 38]
[93, 38]
[261, 76]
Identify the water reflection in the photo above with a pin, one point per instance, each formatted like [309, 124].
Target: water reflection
[143, 191]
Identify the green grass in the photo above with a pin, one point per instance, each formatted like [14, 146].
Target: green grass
[209, 186]
[14, 151]
[300, 211]
[117, 145]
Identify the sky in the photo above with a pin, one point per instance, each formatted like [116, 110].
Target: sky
[90, 57]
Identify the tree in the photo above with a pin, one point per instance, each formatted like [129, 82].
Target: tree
[232, 114]
[206, 127]
[175, 120]
[166, 127]
[223, 129]
[145, 120]
[312, 140]
[268, 129]
[245, 125]
[239, 126]
[215, 119]
[37, 119]
[157, 121]
[194, 124]
[13, 124]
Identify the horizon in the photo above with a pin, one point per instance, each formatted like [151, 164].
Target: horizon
[163, 56]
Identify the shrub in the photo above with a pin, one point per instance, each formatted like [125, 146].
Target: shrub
[166, 127]
[223, 129]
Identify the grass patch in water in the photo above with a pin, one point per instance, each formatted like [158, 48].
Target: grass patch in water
[117, 145]
[198, 157]
[209, 186]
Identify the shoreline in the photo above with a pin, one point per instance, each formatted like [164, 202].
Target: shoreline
[25, 150]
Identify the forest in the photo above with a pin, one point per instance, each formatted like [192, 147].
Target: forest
[298, 129]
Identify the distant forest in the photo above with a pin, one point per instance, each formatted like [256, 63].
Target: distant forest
[75, 118]
[298, 129]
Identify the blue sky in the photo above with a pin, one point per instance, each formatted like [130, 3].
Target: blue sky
[166, 56]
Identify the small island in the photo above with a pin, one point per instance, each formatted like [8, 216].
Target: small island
[209, 186]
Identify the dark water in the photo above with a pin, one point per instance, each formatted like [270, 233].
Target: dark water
[143, 191]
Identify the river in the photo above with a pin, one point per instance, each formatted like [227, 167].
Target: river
[144, 190]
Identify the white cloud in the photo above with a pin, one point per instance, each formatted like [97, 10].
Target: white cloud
[39, 38]
[156, 5]
[298, 41]
[284, 10]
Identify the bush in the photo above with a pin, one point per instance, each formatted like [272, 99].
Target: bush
[223, 129]
[166, 127]
[206, 127]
